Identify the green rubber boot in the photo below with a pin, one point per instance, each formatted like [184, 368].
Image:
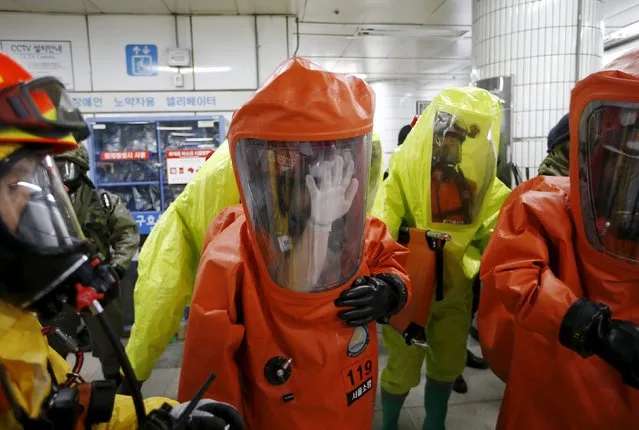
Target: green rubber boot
[436, 395]
[391, 407]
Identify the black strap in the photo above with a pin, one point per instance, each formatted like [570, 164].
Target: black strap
[437, 246]
[439, 271]
[465, 195]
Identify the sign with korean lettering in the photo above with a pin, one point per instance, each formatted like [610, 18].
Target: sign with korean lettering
[182, 165]
[184, 101]
[124, 155]
[145, 220]
[43, 58]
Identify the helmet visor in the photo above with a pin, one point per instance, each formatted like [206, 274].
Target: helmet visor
[306, 203]
[609, 183]
[42, 103]
[34, 206]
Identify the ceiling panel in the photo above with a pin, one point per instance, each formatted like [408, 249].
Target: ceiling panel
[452, 12]
[275, 7]
[418, 48]
[266, 7]
[12, 5]
[622, 19]
[378, 46]
[313, 46]
[130, 6]
[384, 11]
[441, 66]
[462, 47]
[616, 7]
[197, 7]
[324, 11]
[61, 6]
[335, 29]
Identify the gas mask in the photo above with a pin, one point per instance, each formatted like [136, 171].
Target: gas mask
[43, 254]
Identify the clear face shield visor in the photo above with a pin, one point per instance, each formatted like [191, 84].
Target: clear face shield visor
[306, 204]
[609, 177]
[35, 209]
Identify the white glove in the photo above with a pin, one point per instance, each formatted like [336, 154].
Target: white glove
[211, 415]
[336, 192]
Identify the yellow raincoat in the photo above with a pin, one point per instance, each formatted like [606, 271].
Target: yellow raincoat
[405, 198]
[169, 259]
[25, 354]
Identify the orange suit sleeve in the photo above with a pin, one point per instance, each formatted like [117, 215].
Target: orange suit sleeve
[383, 254]
[215, 330]
[530, 248]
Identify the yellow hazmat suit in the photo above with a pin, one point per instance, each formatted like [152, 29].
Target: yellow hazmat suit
[25, 354]
[405, 199]
[169, 259]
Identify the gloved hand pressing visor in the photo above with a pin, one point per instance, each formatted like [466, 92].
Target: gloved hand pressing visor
[333, 197]
[306, 204]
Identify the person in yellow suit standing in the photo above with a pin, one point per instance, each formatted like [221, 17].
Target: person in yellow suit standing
[164, 287]
[442, 179]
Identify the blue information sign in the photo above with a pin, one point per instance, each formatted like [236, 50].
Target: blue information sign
[141, 60]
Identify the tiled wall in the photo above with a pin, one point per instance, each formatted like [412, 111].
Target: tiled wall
[395, 107]
[535, 42]
[396, 104]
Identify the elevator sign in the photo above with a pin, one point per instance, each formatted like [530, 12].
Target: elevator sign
[141, 60]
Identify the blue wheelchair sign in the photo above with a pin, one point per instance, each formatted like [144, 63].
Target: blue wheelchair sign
[141, 60]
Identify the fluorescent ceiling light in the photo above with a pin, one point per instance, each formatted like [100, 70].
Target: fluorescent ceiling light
[617, 37]
[175, 128]
[410, 31]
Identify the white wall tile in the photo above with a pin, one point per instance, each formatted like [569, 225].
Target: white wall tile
[538, 50]
[71, 28]
[225, 52]
[271, 48]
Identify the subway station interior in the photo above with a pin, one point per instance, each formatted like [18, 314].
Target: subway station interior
[358, 214]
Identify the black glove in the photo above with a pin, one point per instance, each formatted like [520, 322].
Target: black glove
[119, 270]
[372, 298]
[125, 388]
[587, 328]
[211, 415]
[107, 282]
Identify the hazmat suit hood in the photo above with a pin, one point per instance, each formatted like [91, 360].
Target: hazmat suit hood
[469, 118]
[304, 136]
[604, 165]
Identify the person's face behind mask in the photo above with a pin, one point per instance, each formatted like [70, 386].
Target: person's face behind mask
[41, 243]
[33, 205]
[609, 178]
[70, 173]
[451, 150]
